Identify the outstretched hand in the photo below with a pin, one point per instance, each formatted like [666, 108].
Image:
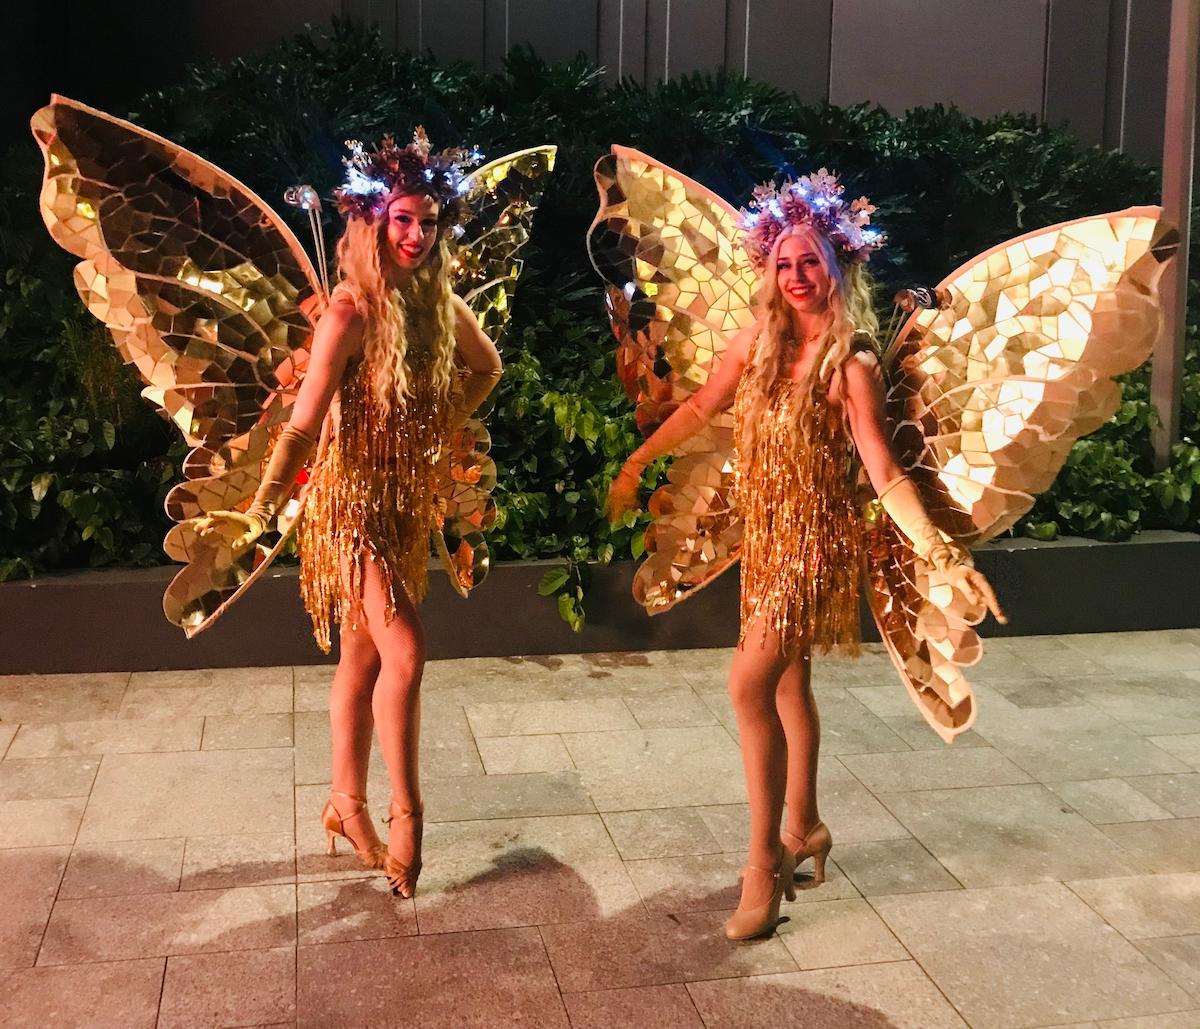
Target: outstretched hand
[237, 528]
[975, 587]
[623, 493]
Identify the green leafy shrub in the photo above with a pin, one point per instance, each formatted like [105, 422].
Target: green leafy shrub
[948, 186]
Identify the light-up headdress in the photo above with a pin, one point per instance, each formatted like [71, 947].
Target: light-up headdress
[813, 200]
[373, 177]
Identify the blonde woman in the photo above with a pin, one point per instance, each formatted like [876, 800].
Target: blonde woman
[806, 390]
[382, 360]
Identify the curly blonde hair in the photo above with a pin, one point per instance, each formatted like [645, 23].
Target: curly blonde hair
[392, 316]
[850, 311]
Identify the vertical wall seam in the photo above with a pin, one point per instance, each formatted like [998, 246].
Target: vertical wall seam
[746, 47]
[1046, 66]
[1125, 75]
[667, 45]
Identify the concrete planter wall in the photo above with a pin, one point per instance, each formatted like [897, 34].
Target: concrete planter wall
[112, 620]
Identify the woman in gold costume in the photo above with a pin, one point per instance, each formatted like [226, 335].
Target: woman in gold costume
[806, 390]
[382, 362]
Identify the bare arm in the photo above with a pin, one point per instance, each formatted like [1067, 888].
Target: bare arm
[484, 367]
[338, 337]
[861, 382]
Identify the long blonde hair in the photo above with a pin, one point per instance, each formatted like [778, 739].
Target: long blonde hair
[850, 310]
[393, 316]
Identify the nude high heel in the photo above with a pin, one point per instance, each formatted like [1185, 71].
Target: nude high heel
[815, 844]
[373, 854]
[401, 877]
[748, 923]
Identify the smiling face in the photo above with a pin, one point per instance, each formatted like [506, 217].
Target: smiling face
[412, 229]
[801, 275]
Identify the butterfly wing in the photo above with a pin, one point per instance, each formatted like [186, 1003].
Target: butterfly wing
[502, 197]
[207, 293]
[679, 288]
[987, 395]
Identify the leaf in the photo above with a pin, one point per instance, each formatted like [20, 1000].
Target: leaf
[554, 580]
[41, 485]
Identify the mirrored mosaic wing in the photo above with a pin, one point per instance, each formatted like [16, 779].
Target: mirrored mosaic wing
[502, 197]
[987, 396]
[679, 288]
[205, 291]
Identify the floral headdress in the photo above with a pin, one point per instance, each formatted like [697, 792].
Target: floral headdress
[374, 177]
[814, 200]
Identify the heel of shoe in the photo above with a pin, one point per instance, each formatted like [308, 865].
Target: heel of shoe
[819, 863]
[330, 845]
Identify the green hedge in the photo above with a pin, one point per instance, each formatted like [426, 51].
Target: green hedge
[83, 464]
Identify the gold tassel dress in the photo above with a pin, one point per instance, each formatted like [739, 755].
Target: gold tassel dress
[373, 496]
[802, 549]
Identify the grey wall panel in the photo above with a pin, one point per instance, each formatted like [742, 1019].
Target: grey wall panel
[495, 33]
[225, 29]
[621, 38]
[783, 42]
[984, 57]
[1146, 79]
[556, 29]
[1114, 89]
[1077, 66]
[453, 29]
[684, 36]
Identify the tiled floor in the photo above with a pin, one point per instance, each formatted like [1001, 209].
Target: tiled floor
[161, 862]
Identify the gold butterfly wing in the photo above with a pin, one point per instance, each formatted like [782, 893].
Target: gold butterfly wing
[987, 395]
[208, 294]
[679, 288]
[502, 197]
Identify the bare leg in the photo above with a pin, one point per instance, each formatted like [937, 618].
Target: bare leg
[350, 718]
[753, 681]
[397, 708]
[802, 725]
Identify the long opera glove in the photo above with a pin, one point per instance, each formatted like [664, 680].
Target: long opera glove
[902, 502]
[684, 422]
[287, 458]
[476, 388]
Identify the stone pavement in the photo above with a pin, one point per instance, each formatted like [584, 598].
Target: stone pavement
[162, 864]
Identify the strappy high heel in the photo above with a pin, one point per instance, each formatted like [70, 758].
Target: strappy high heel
[373, 854]
[815, 844]
[401, 877]
[749, 923]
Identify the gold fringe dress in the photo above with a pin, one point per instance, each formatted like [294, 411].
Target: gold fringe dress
[373, 496]
[802, 549]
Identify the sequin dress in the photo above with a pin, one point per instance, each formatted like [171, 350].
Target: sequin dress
[373, 496]
[803, 546]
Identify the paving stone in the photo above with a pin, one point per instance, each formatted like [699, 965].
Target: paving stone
[39, 823]
[29, 880]
[933, 769]
[211, 991]
[352, 909]
[1160, 846]
[1003, 835]
[107, 737]
[470, 797]
[1101, 801]
[654, 949]
[506, 755]
[670, 711]
[202, 793]
[155, 925]
[647, 1007]
[244, 732]
[117, 993]
[1143, 906]
[838, 932]
[496, 978]
[897, 995]
[47, 778]
[1073, 966]
[551, 716]
[663, 832]
[122, 869]
[893, 866]
[1179, 794]
[1179, 957]
[61, 698]
[223, 862]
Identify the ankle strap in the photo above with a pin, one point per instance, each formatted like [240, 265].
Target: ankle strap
[395, 811]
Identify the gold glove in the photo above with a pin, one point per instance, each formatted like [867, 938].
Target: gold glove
[902, 502]
[476, 387]
[685, 421]
[287, 458]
